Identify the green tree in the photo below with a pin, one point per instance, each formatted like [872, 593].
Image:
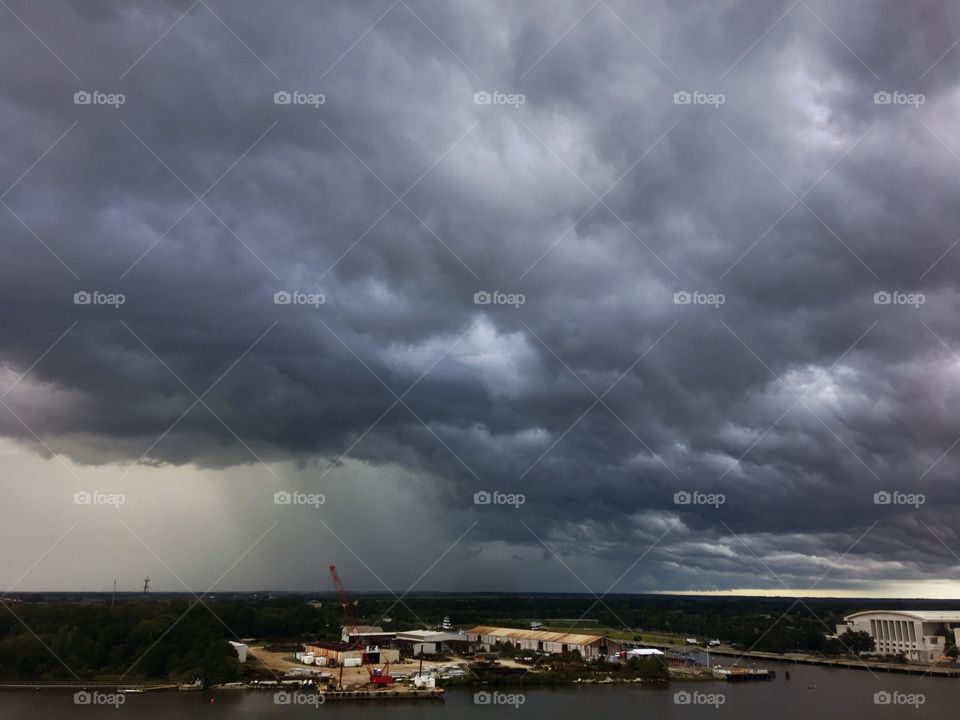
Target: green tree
[831, 647]
[858, 641]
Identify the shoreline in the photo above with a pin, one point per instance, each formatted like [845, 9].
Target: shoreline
[271, 686]
[845, 663]
[401, 691]
[132, 688]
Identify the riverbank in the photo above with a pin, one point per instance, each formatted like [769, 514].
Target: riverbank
[126, 689]
[847, 664]
[826, 693]
[533, 679]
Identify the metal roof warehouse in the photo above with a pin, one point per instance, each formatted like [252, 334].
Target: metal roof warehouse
[430, 642]
[589, 646]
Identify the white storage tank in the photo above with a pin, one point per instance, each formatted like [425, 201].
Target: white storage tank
[352, 662]
[307, 659]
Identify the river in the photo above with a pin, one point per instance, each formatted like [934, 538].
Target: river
[812, 693]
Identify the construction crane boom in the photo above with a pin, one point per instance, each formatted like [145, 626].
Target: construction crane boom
[351, 624]
[378, 676]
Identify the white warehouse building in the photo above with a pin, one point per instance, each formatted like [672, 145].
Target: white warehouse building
[917, 635]
[589, 646]
[241, 649]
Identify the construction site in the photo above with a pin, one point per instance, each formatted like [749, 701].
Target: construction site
[363, 664]
[369, 662]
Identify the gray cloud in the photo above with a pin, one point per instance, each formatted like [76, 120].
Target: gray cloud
[598, 199]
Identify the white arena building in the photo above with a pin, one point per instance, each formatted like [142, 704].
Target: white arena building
[919, 635]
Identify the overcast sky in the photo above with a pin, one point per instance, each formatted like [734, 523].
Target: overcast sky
[616, 263]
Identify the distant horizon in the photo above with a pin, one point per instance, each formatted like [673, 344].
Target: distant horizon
[360, 593]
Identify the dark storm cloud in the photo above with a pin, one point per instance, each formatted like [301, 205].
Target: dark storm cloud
[598, 199]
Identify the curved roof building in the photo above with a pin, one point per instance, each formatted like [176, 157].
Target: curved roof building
[918, 635]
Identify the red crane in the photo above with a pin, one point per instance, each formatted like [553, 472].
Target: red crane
[378, 676]
[344, 602]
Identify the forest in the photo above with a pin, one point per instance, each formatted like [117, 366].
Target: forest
[180, 639]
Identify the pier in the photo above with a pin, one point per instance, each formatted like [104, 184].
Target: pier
[848, 664]
[739, 674]
[347, 695]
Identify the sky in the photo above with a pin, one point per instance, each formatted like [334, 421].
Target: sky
[562, 297]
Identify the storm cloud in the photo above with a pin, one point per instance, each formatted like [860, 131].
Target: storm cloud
[682, 275]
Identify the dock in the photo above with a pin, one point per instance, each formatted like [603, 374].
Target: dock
[347, 695]
[739, 674]
[848, 664]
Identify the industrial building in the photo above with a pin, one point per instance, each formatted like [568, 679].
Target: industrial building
[241, 649]
[430, 642]
[688, 659]
[642, 652]
[917, 635]
[589, 646]
[369, 634]
[348, 655]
